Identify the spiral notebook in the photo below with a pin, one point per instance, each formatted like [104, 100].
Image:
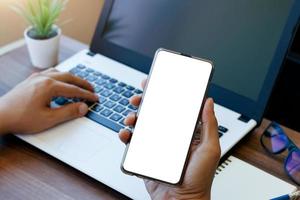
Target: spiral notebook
[236, 180]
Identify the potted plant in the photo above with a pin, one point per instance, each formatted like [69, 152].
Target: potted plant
[42, 36]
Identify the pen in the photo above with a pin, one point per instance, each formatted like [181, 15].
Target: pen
[292, 196]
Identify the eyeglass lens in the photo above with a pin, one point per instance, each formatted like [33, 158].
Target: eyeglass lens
[274, 139]
[292, 165]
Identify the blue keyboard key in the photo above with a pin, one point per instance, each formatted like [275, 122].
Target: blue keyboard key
[91, 78]
[97, 89]
[109, 104]
[75, 71]
[100, 82]
[102, 99]
[223, 129]
[105, 77]
[128, 87]
[104, 121]
[61, 101]
[220, 134]
[106, 93]
[115, 97]
[109, 86]
[124, 102]
[97, 74]
[112, 80]
[97, 108]
[106, 112]
[75, 100]
[127, 112]
[137, 91]
[119, 90]
[132, 107]
[89, 70]
[127, 94]
[119, 109]
[121, 84]
[122, 122]
[83, 74]
[80, 66]
[116, 117]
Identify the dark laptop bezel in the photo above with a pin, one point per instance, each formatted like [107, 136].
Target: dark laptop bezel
[241, 104]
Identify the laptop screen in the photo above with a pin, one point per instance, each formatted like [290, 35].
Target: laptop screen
[240, 37]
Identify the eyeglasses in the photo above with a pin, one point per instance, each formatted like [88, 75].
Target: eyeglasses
[275, 141]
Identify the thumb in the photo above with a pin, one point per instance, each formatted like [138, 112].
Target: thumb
[68, 112]
[209, 133]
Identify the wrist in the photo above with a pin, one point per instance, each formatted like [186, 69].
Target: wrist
[186, 195]
[188, 198]
[200, 197]
[193, 195]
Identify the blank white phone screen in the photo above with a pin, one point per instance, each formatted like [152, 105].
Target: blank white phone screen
[167, 117]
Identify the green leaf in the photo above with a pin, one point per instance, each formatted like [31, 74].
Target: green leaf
[41, 14]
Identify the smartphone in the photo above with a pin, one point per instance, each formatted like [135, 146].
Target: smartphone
[167, 117]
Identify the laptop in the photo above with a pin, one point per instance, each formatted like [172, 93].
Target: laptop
[246, 40]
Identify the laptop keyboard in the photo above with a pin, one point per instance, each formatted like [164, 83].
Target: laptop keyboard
[113, 96]
[222, 130]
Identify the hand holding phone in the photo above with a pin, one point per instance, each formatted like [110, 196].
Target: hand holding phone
[205, 155]
[160, 145]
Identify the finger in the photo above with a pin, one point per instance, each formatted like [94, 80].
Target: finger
[209, 133]
[130, 119]
[67, 112]
[72, 91]
[144, 82]
[135, 100]
[71, 79]
[47, 71]
[124, 136]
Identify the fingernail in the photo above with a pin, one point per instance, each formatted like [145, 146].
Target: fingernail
[122, 130]
[212, 102]
[96, 96]
[83, 109]
[212, 105]
[132, 114]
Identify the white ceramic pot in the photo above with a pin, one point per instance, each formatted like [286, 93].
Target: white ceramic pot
[43, 53]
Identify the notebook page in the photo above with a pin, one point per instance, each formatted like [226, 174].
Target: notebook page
[240, 180]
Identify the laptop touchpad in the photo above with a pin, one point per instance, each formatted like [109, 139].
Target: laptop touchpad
[76, 138]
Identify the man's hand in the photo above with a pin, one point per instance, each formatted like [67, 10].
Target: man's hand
[26, 108]
[205, 155]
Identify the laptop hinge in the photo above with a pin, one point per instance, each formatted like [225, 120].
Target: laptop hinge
[90, 54]
[244, 118]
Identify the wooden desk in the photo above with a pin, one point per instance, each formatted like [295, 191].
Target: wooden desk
[28, 173]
